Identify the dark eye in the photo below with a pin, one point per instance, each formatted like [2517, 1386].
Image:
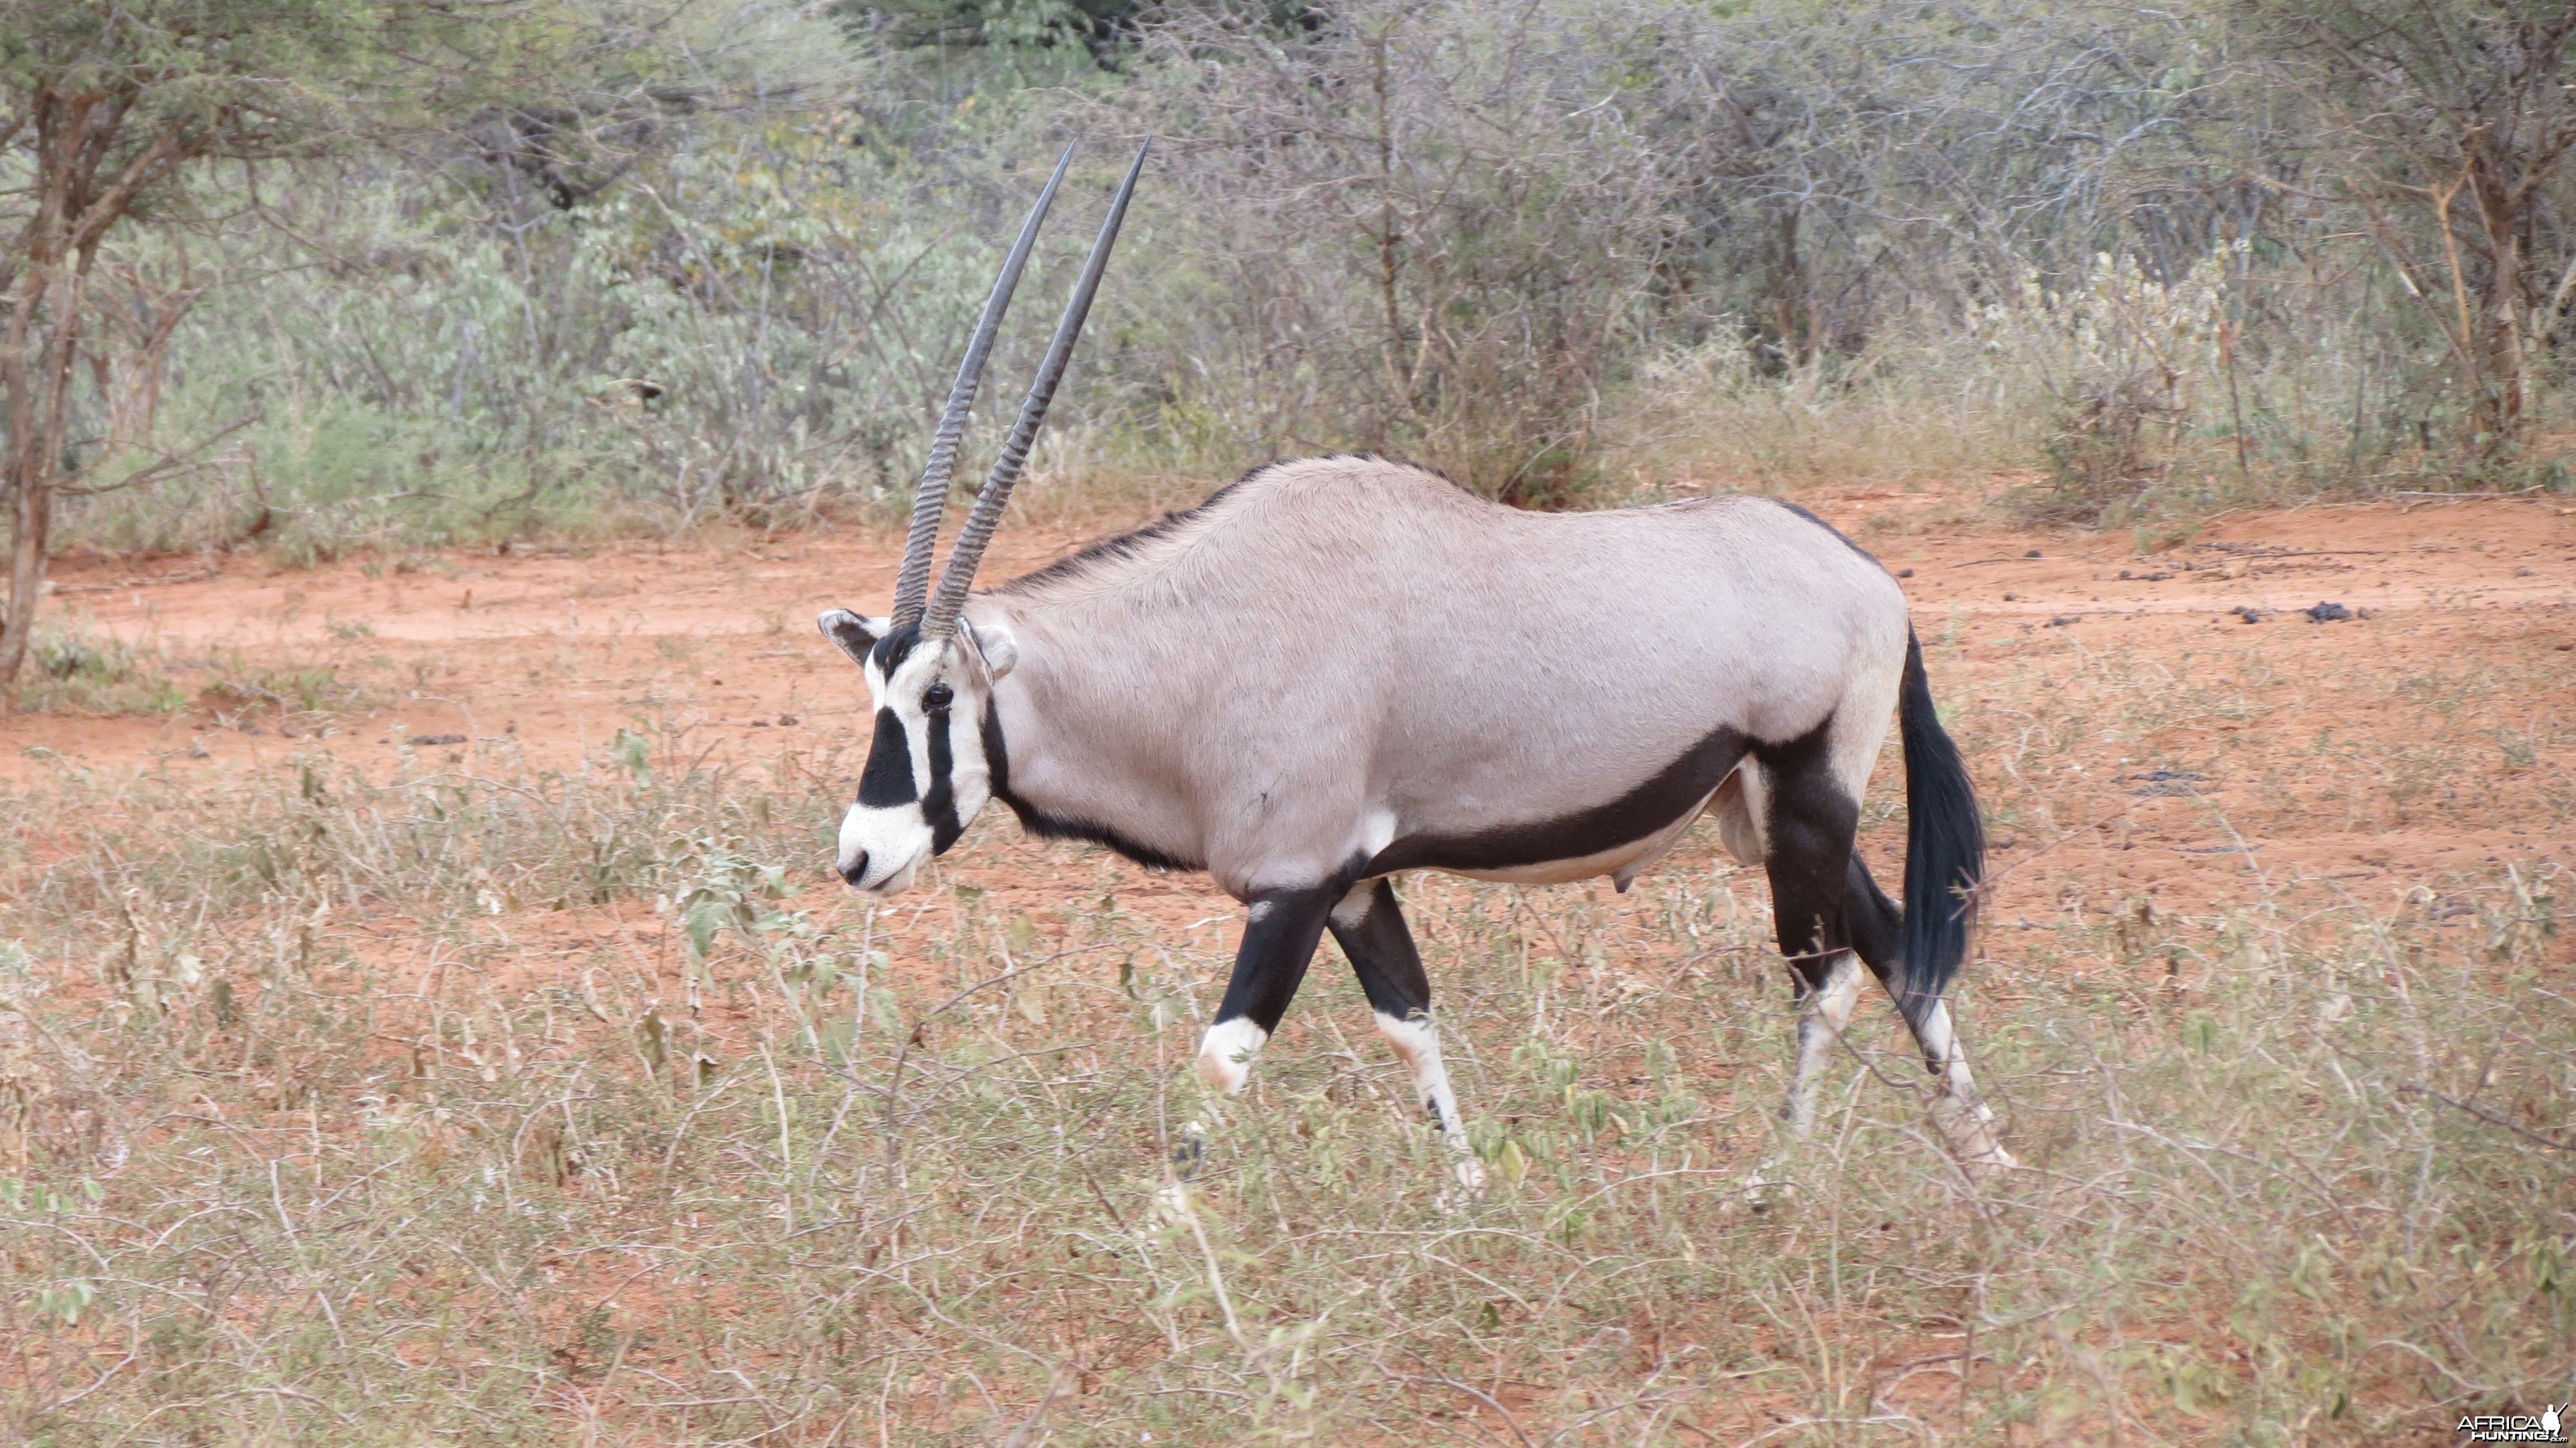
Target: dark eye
[937, 697]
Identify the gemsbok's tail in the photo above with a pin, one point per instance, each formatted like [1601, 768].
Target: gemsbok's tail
[1945, 845]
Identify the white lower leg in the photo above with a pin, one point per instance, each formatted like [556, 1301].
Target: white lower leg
[1941, 1048]
[1226, 1052]
[1823, 1014]
[1417, 1044]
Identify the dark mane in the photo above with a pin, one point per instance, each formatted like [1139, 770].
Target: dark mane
[1838, 533]
[1123, 546]
[1096, 555]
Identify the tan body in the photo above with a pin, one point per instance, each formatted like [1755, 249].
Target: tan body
[1401, 659]
[1341, 669]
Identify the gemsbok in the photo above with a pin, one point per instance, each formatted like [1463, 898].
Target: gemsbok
[1340, 669]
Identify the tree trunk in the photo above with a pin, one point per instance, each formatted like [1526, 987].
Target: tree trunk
[2499, 419]
[1399, 381]
[27, 548]
[79, 195]
[40, 427]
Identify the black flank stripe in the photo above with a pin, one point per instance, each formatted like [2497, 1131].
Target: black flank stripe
[887, 781]
[1650, 807]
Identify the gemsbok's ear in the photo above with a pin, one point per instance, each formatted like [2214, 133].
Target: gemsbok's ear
[854, 634]
[995, 643]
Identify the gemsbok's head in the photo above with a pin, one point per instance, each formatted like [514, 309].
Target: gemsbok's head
[930, 673]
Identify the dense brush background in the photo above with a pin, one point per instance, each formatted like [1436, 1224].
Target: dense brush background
[2141, 263]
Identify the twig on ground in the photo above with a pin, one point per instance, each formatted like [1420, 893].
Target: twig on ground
[2413, 1088]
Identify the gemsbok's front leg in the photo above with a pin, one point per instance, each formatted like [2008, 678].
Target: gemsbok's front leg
[1279, 941]
[1369, 926]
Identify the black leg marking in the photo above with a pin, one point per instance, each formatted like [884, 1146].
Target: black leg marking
[1812, 825]
[1369, 926]
[1383, 956]
[1278, 944]
[1876, 924]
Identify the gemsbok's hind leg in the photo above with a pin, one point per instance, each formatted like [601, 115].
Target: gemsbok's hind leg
[1810, 820]
[1369, 926]
[1878, 929]
[1824, 1010]
[1970, 1122]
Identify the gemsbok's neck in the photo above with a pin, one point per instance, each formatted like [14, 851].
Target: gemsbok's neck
[1082, 744]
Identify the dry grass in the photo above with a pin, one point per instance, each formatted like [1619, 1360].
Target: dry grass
[497, 1105]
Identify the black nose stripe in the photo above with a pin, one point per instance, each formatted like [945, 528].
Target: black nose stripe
[887, 780]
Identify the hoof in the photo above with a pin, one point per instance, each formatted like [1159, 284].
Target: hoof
[1171, 1206]
[1764, 1187]
[1971, 1130]
[1189, 1152]
[1992, 1158]
[1468, 1186]
[1471, 1173]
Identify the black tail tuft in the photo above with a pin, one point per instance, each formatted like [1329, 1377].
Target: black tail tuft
[1945, 846]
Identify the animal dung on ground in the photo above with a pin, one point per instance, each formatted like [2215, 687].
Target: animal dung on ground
[2166, 782]
[2247, 612]
[2327, 613]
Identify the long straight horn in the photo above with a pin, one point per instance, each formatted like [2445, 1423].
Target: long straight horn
[959, 576]
[912, 585]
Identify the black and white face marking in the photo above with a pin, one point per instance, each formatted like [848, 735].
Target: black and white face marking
[926, 776]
